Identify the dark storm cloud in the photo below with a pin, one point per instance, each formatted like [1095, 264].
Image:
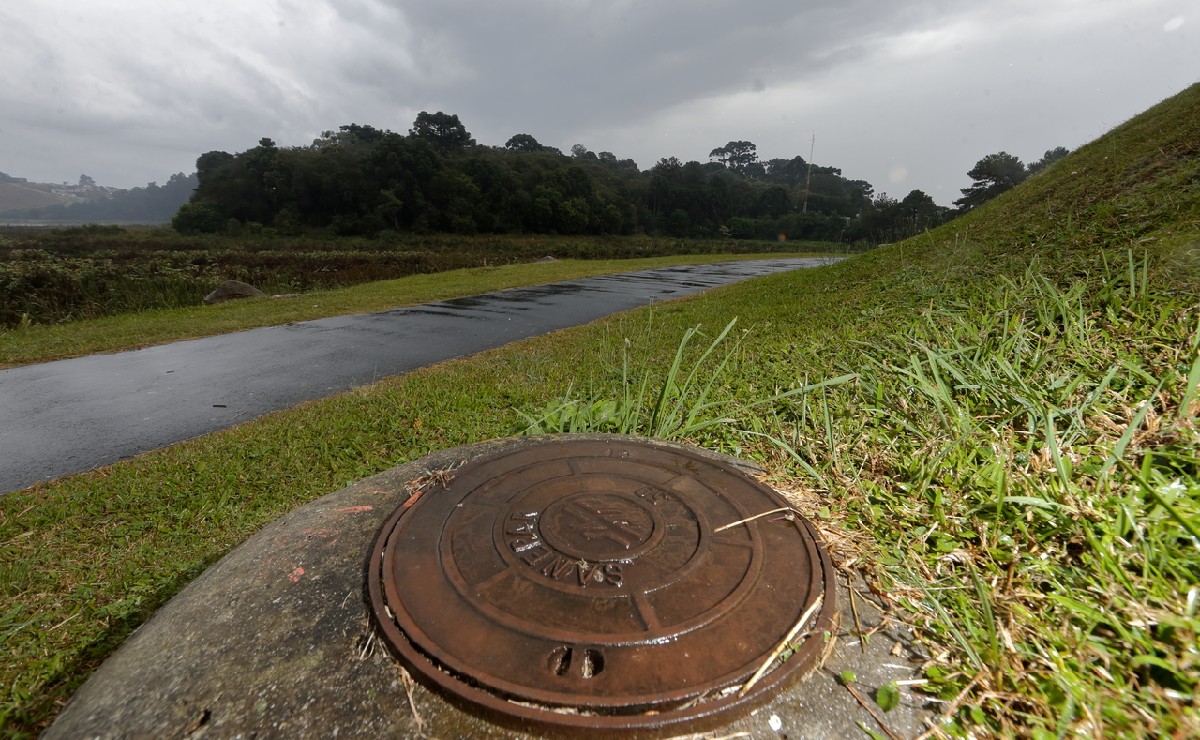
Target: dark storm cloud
[555, 67]
[904, 94]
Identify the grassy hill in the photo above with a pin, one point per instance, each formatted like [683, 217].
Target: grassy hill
[19, 196]
[994, 422]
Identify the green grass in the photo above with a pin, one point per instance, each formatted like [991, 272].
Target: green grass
[41, 343]
[995, 421]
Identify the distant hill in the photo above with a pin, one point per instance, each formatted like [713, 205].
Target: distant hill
[14, 196]
[88, 202]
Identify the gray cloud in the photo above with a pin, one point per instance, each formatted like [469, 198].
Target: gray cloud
[905, 95]
[585, 64]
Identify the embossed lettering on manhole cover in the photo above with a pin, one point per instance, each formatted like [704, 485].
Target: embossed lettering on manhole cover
[591, 584]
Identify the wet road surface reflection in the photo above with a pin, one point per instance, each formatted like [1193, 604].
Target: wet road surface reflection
[73, 415]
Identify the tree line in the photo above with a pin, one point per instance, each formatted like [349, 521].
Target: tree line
[361, 180]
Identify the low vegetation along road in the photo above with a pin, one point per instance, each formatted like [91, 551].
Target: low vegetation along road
[73, 415]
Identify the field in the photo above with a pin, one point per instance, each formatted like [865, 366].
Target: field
[51, 276]
[995, 423]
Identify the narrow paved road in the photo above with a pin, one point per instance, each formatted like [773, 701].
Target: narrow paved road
[73, 415]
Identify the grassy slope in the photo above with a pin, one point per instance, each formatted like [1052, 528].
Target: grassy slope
[42, 343]
[14, 196]
[1018, 439]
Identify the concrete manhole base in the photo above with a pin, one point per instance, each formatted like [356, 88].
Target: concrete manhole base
[276, 639]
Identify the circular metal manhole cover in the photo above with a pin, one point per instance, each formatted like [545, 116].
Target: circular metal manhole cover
[591, 584]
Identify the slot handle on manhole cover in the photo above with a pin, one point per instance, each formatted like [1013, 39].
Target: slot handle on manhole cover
[573, 662]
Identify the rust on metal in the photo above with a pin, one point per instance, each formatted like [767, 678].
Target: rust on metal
[581, 584]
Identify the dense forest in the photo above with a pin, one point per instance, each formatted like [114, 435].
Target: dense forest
[361, 180]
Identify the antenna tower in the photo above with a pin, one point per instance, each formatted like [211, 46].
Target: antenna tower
[808, 182]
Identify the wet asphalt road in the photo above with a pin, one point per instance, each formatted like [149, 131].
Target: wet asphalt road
[73, 415]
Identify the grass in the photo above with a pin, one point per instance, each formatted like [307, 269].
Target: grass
[41, 343]
[995, 422]
[1027, 456]
[1042, 545]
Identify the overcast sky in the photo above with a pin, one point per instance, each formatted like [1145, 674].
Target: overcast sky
[902, 94]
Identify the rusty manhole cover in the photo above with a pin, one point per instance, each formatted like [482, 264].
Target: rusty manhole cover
[591, 584]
